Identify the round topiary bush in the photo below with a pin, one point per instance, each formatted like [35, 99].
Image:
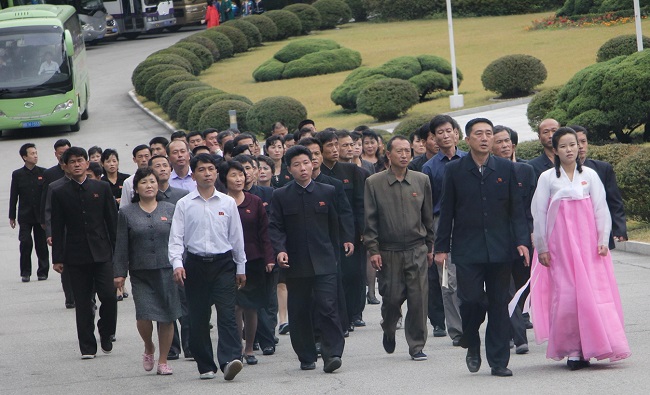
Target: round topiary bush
[345, 95]
[299, 48]
[183, 112]
[265, 25]
[142, 75]
[430, 81]
[403, 67]
[323, 62]
[197, 65]
[169, 92]
[175, 102]
[152, 83]
[529, 149]
[206, 42]
[252, 33]
[168, 81]
[633, 176]
[198, 109]
[514, 75]
[270, 70]
[411, 124]
[199, 50]
[387, 99]
[237, 38]
[226, 49]
[216, 115]
[308, 15]
[333, 13]
[620, 46]
[287, 23]
[157, 60]
[273, 109]
[540, 105]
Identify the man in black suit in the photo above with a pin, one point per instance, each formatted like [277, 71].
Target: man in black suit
[481, 219]
[84, 224]
[545, 132]
[613, 194]
[26, 190]
[429, 137]
[304, 231]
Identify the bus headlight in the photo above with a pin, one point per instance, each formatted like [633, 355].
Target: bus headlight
[64, 106]
[152, 18]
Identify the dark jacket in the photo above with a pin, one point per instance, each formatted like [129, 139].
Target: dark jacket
[527, 182]
[52, 174]
[84, 223]
[541, 164]
[255, 224]
[353, 184]
[26, 191]
[346, 217]
[481, 215]
[264, 193]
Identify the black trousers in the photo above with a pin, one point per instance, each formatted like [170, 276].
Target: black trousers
[485, 287]
[353, 269]
[309, 297]
[267, 317]
[182, 341]
[212, 282]
[521, 274]
[25, 231]
[86, 280]
[517, 322]
[436, 308]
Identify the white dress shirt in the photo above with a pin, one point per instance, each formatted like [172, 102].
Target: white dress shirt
[186, 182]
[207, 227]
[127, 191]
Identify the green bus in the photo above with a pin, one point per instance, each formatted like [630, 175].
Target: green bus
[43, 71]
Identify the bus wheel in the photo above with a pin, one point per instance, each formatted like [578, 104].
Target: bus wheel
[76, 127]
[131, 36]
[84, 115]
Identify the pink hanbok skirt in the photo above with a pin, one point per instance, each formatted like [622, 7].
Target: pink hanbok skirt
[575, 303]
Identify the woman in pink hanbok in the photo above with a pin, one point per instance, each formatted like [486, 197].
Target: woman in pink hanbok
[575, 303]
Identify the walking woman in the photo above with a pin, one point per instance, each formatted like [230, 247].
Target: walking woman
[141, 249]
[259, 253]
[576, 305]
[275, 150]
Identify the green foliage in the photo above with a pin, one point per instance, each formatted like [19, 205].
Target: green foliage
[197, 111]
[168, 81]
[173, 62]
[359, 11]
[273, 109]
[345, 95]
[197, 65]
[149, 90]
[514, 75]
[404, 10]
[612, 153]
[216, 115]
[237, 38]
[175, 102]
[172, 89]
[633, 176]
[206, 42]
[265, 25]
[462, 145]
[141, 74]
[540, 105]
[270, 70]
[299, 48]
[430, 81]
[620, 46]
[411, 124]
[309, 16]
[287, 22]
[333, 13]
[582, 7]
[183, 112]
[226, 49]
[503, 7]
[402, 68]
[252, 33]
[199, 50]
[387, 99]
[529, 149]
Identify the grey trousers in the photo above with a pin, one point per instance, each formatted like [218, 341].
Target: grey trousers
[450, 295]
[404, 277]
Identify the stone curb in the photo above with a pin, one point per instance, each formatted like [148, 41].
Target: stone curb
[635, 247]
[156, 118]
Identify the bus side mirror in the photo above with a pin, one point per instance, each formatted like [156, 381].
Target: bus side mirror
[69, 44]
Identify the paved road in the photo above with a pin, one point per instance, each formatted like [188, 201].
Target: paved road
[38, 347]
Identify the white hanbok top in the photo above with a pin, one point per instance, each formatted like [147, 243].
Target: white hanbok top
[551, 190]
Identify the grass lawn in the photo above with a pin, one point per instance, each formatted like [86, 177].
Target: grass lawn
[638, 231]
[479, 41]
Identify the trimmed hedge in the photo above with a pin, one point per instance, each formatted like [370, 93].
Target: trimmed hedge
[430, 81]
[287, 22]
[299, 48]
[197, 65]
[157, 60]
[404, 10]
[540, 105]
[529, 149]
[411, 124]
[199, 50]
[141, 75]
[199, 108]
[216, 115]
[273, 109]
[179, 98]
[265, 25]
[172, 89]
[309, 16]
[237, 38]
[345, 95]
[620, 46]
[226, 48]
[387, 99]
[183, 112]
[333, 13]
[514, 75]
[270, 70]
[152, 83]
[612, 153]
[206, 42]
[633, 176]
[168, 81]
[252, 33]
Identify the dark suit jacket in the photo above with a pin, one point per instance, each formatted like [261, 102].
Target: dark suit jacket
[52, 174]
[527, 182]
[541, 164]
[417, 162]
[26, 190]
[264, 193]
[346, 217]
[481, 216]
[614, 199]
[84, 223]
[304, 224]
[353, 183]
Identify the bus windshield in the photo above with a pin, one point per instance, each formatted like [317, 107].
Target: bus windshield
[33, 61]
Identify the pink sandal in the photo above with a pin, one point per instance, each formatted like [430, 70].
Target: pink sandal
[147, 362]
[164, 369]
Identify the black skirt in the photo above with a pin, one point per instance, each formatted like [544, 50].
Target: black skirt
[254, 294]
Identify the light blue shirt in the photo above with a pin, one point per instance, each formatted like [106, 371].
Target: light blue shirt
[186, 182]
[435, 169]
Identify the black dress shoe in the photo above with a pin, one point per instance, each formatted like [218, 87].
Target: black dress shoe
[283, 329]
[268, 351]
[188, 355]
[42, 278]
[373, 300]
[577, 365]
[456, 342]
[276, 340]
[25, 279]
[113, 338]
[172, 356]
[351, 327]
[346, 333]
[307, 365]
[69, 305]
[332, 364]
[389, 344]
[439, 331]
[473, 359]
[107, 345]
[501, 372]
[359, 323]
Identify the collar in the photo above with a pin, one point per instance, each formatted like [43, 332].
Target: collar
[195, 194]
[175, 175]
[80, 183]
[309, 188]
[392, 179]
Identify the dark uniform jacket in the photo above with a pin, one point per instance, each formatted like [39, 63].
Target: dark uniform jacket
[26, 191]
[541, 164]
[527, 182]
[353, 183]
[52, 174]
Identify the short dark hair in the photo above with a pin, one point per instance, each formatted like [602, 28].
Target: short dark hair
[271, 140]
[243, 159]
[159, 140]
[156, 157]
[226, 166]
[578, 128]
[289, 136]
[310, 141]
[139, 175]
[294, 151]
[194, 133]
[326, 136]
[198, 148]
[244, 136]
[62, 143]
[228, 147]
[389, 146]
[472, 122]
[514, 137]
[501, 128]
[94, 150]
[209, 131]
[222, 135]
[306, 122]
[179, 134]
[412, 137]
[139, 148]
[361, 128]
[356, 135]
[96, 168]
[342, 133]
[107, 154]
[423, 131]
[203, 158]
[301, 132]
[23, 150]
[73, 151]
[239, 149]
[267, 160]
[440, 120]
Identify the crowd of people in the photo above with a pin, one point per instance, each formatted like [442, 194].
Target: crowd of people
[298, 238]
